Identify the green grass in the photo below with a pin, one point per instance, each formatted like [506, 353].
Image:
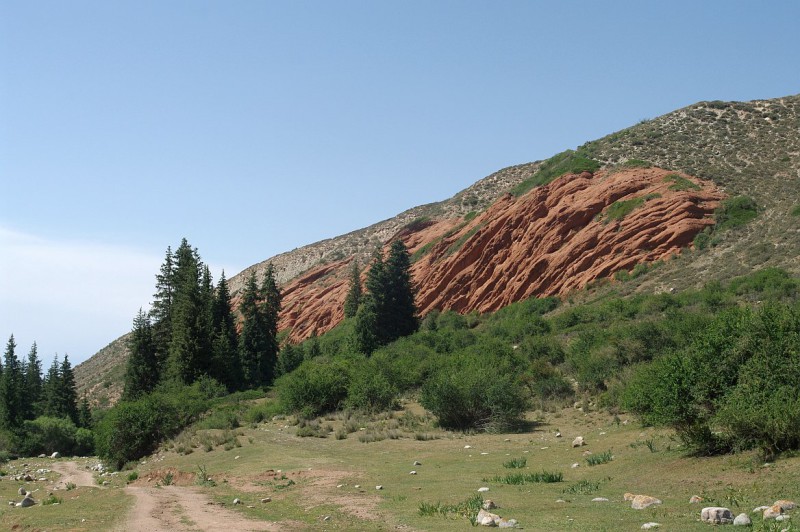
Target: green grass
[545, 477]
[516, 463]
[637, 163]
[621, 208]
[735, 212]
[468, 508]
[680, 183]
[458, 244]
[566, 162]
[600, 458]
[796, 211]
[582, 487]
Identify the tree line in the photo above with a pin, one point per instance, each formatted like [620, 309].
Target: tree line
[191, 330]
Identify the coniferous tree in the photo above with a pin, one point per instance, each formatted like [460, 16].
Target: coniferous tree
[11, 388]
[68, 396]
[226, 367]
[85, 414]
[33, 383]
[270, 308]
[387, 311]
[252, 340]
[51, 390]
[141, 375]
[161, 311]
[185, 353]
[400, 308]
[353, 299]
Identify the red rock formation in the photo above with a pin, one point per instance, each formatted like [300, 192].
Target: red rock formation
[554, 239]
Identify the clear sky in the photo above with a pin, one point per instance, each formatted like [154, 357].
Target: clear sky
[255, 127]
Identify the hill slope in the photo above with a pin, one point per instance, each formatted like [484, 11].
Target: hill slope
[463, 246]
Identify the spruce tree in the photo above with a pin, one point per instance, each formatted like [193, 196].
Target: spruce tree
[252, 339]
[185, 353]
[387, 311]
[161, 311]
[401, 311]
[11, 388]
[353, 299]
[270, 308]
[51, 390]
[33, 383]
[226, 367]
[85, 414]
[68, 396]
[141, 375]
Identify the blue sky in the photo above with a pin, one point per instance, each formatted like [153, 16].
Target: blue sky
[253, 128]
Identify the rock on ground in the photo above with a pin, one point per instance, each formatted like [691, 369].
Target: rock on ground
[742, 520]
[716, 515]
[640, 502]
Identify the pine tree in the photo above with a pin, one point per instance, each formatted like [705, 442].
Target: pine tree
[387, 311]
[185, 353]
[33, 383]
[402, 312]
[353, 299]
[11, 388]
[226, 367]
[68, 396]
[270, 308]
[141, 375]
[161, 311]
[51, 390]
[251, 338]
[85, 414]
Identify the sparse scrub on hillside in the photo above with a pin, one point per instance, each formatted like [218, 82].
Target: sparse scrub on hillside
[734, 212]
[680, 183]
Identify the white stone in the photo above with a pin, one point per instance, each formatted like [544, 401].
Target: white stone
[742, 520]
[599, 499]
[578, 442]
[378, 487]
[483, 489]
[716, 515]
[650, 526]
[413, 473]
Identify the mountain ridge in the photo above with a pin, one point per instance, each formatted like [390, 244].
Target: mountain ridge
[750, 148]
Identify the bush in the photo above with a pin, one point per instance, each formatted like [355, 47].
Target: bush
[48, 434]
[133, 429]
[474, 391]
[734, 212]
[370, 390]
[566, 162]
[317, 386]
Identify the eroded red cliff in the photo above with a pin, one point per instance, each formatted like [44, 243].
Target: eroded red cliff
[555, 238]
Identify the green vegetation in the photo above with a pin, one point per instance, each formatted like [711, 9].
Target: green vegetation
[468, 509]
[566, 162]
[680, 183]
[517, 479]
[516, 463]
[600, 458]
[796, 210]
[637, 163]
[621, 208]
[458, 244]
[735, 212]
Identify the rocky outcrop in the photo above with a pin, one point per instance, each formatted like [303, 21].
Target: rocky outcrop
[554, 239]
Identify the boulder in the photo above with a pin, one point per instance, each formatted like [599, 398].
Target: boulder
[55, 455]
[695, 499]
[773, 511]
[485, 518]
[716, 515]
[578, 442]
[742, 520]
[488, 504]
[640, 502]
[506, 523]
[785, 504]
[26, 502]
[22, 491]
[650, 526]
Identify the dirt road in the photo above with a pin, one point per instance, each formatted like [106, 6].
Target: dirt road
[179, 508]
[72, 473]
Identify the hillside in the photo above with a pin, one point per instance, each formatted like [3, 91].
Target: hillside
[482, 249]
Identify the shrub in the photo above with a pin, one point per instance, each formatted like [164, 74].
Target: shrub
[49, 434]
[471, 391]
[370, 390]
[317, 386]
[734, 212]
[621, 208]
[133, 429]
[528, 478]
[600, 458]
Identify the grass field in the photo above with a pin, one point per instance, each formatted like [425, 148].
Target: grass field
[330, 483]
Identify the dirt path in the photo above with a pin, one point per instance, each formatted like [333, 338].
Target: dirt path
[71, 472]
[178, 508]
